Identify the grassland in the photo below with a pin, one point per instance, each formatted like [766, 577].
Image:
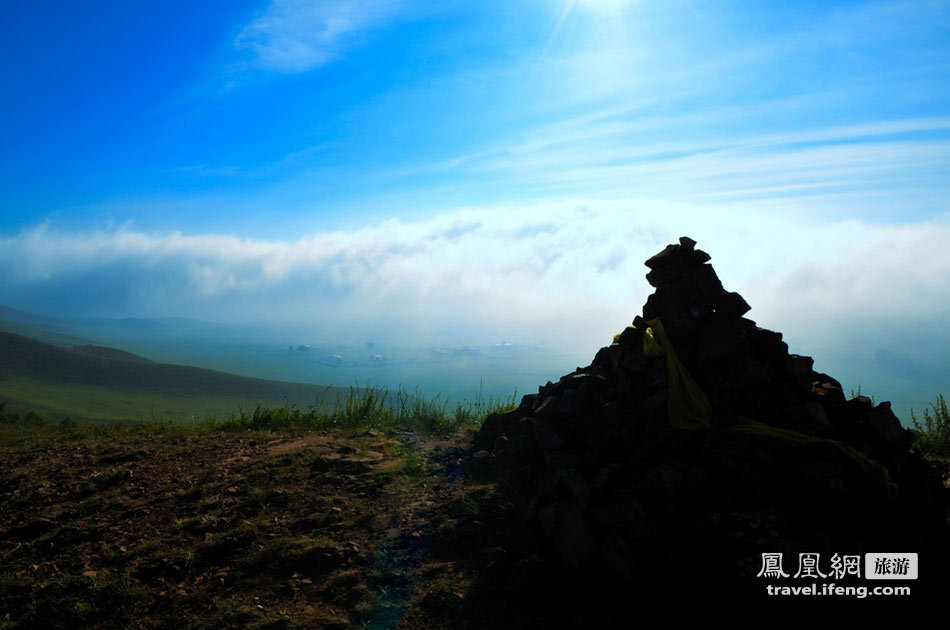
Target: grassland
[369, 511]
[97, 383]
[369, 515]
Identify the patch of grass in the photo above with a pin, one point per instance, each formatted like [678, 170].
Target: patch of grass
[12, 479]
[221, 547]
[109, 478]
[108, 599]
[368, 408]
[195, 493]
[307, 556]
[155, 558]
[226, 613]
[97, 504]
[363, 408]
[391, 588]
[467, 505]
[29, 419]
[445, 593]
[855, 394]
[210, 474]
[933, 434]
[280, 623]
[414, 464]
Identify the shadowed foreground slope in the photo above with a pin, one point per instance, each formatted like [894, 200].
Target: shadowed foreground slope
[211, 529]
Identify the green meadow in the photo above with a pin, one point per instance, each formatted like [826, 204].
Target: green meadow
[97, 383]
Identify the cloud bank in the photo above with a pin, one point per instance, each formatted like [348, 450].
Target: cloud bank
[868, 301]
[552, 271]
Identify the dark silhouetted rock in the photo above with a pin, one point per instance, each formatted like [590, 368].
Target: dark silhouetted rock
[786, 465]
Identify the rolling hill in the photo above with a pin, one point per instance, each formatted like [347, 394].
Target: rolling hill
[95, 382]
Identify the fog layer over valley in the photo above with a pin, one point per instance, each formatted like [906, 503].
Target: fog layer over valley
[484, 296]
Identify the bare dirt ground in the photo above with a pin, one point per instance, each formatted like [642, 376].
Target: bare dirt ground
[235, 530]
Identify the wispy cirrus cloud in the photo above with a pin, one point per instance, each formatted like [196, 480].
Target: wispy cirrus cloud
[686, 158]
[299, 35]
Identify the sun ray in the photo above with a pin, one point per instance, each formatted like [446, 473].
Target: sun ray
[565, 13]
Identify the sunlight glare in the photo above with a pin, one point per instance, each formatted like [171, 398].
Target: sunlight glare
[610, 7]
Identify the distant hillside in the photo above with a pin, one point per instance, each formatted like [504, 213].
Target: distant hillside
[110, 353]
[25, 330]
[20, 317]
[96, 382]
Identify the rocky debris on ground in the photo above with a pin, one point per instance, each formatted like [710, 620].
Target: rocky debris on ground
[693, 463]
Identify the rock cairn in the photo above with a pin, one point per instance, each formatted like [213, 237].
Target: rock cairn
[612, 477]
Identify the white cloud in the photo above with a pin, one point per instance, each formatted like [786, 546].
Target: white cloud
[899, 274]
[299, 35]
[608, 154]
[545, 272]
[566, 274]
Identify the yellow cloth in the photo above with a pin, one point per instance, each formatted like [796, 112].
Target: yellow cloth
[688, 406]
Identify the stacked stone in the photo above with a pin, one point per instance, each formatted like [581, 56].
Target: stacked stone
[609, 484]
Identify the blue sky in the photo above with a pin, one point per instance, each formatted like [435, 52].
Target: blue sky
[204, 116]
[477, 170]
